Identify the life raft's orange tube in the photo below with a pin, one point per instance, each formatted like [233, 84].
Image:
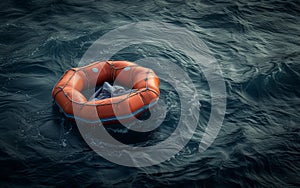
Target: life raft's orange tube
[67, 93]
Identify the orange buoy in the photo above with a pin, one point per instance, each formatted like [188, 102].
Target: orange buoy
[67, 93]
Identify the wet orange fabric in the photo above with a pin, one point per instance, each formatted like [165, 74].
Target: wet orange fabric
[67, 93]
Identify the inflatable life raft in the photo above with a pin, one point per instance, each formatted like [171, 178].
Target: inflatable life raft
[144, 93]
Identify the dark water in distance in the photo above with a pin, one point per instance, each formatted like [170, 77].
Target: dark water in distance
[256, 43]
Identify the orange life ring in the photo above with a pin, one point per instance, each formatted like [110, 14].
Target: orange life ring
[67, 93]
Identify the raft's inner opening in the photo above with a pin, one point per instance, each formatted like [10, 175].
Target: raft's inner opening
[88, 93]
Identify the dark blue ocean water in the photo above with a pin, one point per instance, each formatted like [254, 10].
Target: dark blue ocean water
[256, 44]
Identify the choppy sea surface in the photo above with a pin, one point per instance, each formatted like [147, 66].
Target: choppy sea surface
[256, 44]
